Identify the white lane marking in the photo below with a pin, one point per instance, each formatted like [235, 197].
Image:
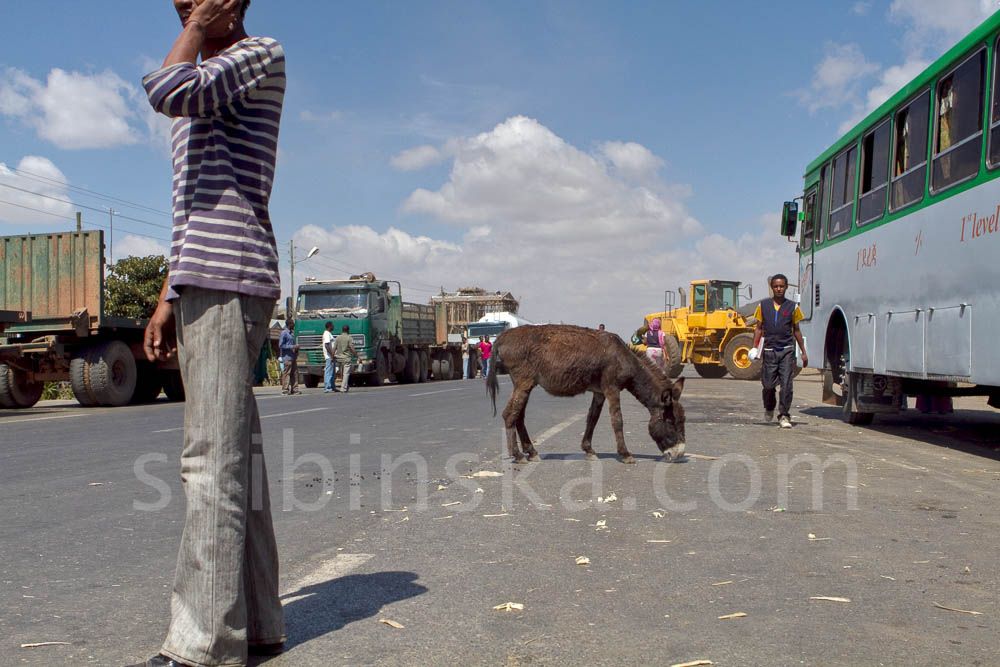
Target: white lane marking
[280, 414]
[42, 419]
[297, 412]
[327, 571]
[558, 427]
[439, 391]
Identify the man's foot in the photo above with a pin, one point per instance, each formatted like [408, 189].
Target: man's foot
[160, 661]
[784, 421]
[266, 649]
[769, 416]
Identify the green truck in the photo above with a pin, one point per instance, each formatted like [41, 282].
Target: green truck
[56, 283]
[395, 340]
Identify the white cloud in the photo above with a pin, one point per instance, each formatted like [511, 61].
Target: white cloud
[522, 176]
[838, 79]
[861, 8]
[131, 245]
[932, 26]
[45, 185]
[559, 227]
[73, 110]
[890, 80]
[416, 158]
[320, 117]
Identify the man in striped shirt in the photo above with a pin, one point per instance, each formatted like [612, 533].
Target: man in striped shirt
[216, 304]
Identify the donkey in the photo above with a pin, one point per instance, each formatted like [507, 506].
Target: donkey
[568, 360]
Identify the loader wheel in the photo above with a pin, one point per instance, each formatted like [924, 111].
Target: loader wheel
[672, 354]
[79, 378]
[736, 358]
[711, 371]
[16, 391]
[113, 374]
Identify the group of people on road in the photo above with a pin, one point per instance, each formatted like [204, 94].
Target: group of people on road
[338, 355]
[476, 355]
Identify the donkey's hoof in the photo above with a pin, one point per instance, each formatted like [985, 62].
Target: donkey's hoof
[534, 457]
[591, 456]
[520, 459]
[628, 459]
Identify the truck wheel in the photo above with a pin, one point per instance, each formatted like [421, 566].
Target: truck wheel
[850, 414]
[441, 368]
[737, 360]
[79, 378]
[310, 381]
[381, 368]
[173, 385]
[148, 384]
[411, 372]
[672, 352]
[16, 391]
[710, 371]
[425, 366]
[113, 374]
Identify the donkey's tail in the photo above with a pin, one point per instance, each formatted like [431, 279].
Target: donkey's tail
[492, 386]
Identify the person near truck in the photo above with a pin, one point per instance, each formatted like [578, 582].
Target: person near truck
[653, 338]
[343, 352]
[485, 350]
[216, 303]
[778, 323]
[329, 369]
[289, 352]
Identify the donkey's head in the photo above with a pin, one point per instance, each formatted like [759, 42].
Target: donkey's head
[666, 421]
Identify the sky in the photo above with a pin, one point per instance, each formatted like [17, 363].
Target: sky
[585, 156]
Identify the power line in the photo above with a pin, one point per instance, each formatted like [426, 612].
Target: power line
[84, 206]
[90, 224]
[124, 202]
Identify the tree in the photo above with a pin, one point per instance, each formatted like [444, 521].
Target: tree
[132, 287]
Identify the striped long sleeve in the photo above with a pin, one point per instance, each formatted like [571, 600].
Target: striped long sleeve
[227, 112]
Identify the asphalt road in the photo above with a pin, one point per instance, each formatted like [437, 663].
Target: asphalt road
[376, 521]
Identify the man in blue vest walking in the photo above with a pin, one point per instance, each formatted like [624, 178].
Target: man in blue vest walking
[778, 322]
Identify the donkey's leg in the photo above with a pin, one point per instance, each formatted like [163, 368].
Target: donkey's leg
[617, 424]
[514, 409]
[596, 405]
[522, 431]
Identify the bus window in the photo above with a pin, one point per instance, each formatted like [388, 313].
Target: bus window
[842, 197]
[993, 157]
[824, 201]
[910, 153]
[809, 213]
[874, 173]
[959, 123]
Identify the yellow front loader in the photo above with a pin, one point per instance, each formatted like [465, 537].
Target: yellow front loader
[710, 333]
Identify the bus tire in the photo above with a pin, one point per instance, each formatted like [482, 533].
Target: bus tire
[711, 371]
[672, 354]
[737, 360]
[79, 378]
[851, 415]
[15, 389]
[113, 374]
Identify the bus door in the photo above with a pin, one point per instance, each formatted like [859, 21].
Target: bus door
[807, 244]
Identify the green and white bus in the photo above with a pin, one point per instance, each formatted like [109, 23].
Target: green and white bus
[899, 246]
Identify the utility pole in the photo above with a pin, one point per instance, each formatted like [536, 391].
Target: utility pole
[291, 263]
[111, 244]
[79, 222]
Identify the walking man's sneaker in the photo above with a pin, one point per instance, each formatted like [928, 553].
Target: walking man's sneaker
[769, 416]
[784, 422]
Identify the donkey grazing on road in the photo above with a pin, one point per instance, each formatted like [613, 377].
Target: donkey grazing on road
[568, 360]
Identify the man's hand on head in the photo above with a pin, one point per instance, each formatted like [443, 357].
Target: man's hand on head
[217, 17]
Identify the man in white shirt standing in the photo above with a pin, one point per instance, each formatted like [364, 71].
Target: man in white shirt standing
[328, 369]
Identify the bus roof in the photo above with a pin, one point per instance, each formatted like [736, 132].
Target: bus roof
[975, 37]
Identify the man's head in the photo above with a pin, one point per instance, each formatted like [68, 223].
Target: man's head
[329, 326]
[779, 283]
[223, 23]
[345, 329]
[600, 327]
[290, 324]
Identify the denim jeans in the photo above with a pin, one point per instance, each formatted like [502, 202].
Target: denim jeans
[465, 368]
[328, 373]
[486, 367]
[777, 368]
[226, 586]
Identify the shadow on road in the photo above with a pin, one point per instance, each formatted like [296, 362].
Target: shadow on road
[326, 607]
[971, 431]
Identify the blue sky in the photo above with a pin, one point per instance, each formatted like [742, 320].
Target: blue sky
[585, 155]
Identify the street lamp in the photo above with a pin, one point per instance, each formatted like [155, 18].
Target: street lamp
[292, 262]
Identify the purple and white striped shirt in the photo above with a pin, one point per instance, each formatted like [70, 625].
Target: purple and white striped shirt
[226, 114]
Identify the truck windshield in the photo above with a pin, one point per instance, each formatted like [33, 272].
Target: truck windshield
[487, 329]
[309, 301]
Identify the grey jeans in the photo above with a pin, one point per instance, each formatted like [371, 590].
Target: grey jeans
[226, 587]
[777, 369]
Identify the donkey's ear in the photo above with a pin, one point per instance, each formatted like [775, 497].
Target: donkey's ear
[678, 388]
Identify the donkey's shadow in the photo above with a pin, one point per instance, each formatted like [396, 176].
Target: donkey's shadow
[319, 609]
[603, 456]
